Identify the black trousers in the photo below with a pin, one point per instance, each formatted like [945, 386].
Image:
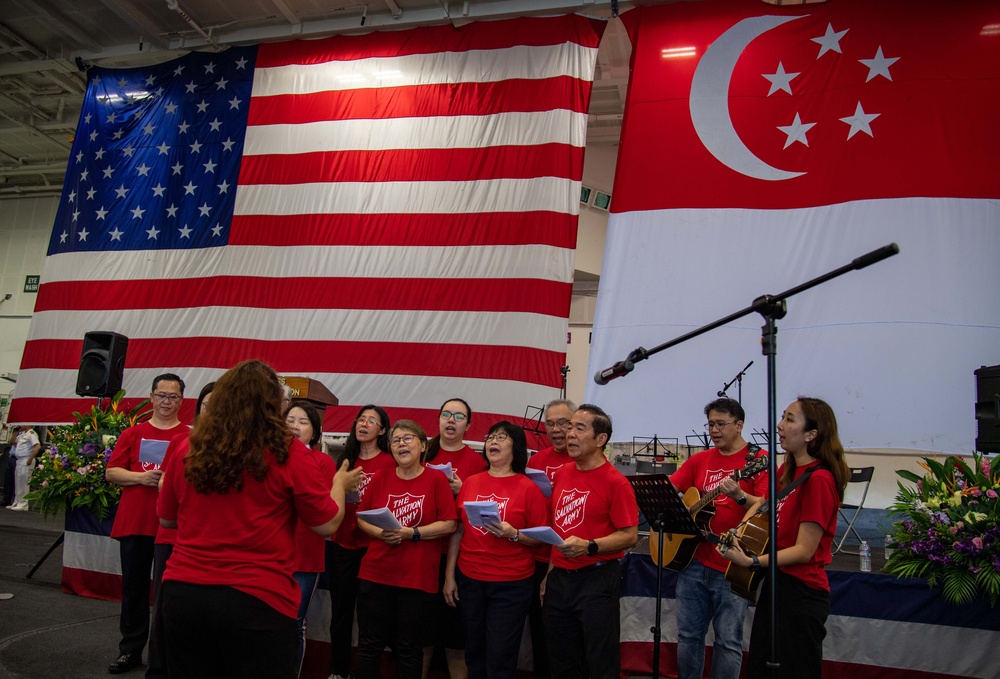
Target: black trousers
[136, 553]
[801, 628]
[156, 660]
[395, 617]
[221, 632]
[342, 566]
[582, 622]
[539, 648]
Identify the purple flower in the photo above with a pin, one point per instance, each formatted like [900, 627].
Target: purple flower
[991, 494]
[90, 450]
[977, 542]
[976, 492]
[984, 467]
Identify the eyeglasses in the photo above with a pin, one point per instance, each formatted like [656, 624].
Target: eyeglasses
[366, 420]
[458, 417]
[557, 424]
[709, 426]
[402, 440]
[167, 397]
[499, 437]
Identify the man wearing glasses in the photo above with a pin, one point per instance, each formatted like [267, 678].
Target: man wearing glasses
[557, 416]
[703, 595]
[135, 466]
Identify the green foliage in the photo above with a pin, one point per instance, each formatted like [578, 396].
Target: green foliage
[71, 471]
[949, 527]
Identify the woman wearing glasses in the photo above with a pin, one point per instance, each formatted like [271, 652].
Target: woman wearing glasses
[233, 490]
[306, 425]
[448, 446]
[367, 449]
[811, 483]
[490, 572]
[399, 578]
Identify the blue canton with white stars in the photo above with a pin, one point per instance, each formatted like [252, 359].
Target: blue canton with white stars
[156, 155]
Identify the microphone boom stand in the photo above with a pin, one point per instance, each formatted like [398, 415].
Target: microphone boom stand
[772, 308]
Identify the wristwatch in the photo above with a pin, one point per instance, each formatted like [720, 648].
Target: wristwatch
[416, 534]
[742, 501]
[592, 548]
[755, 566]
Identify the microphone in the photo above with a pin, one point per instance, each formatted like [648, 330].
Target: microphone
[720, 394]
[619, 369]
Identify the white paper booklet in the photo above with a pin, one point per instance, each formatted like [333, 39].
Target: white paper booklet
[381, 518]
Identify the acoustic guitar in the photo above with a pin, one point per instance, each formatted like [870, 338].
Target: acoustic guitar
[678, 548]
[754, 537]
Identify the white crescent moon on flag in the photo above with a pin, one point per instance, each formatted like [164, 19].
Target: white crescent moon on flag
[709, 99]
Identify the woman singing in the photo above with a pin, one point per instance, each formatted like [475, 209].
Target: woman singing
[399, 573]
[493, 583]
[235, 490]
[306, 425]
[807, 519]
[367, 449]
[448, 447]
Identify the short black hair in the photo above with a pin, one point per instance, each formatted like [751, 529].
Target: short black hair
[727, 405]
[519, 441]
[168, 377]
[602, 421]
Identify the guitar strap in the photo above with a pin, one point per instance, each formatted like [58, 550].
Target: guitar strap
[790, 487]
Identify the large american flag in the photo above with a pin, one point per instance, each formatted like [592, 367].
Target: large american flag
[392, 214]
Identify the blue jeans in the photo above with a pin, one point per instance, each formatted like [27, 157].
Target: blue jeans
[307, 583]
[493, 614]
[703, 597]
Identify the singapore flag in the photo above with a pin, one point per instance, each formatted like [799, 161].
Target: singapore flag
[763, 146]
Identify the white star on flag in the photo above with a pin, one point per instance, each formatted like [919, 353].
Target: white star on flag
[780, 80]
[860, 121]
[796, 132]
[879, 65]
[829, 41]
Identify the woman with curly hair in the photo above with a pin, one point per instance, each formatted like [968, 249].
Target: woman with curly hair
[812, 482]
[235, 491]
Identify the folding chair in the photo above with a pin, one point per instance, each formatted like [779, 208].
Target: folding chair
[850, 512]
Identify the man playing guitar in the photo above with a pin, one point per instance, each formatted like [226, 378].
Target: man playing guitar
[703, 594]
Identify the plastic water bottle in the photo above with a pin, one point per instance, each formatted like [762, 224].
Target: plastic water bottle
[866, 557]
[890, 546]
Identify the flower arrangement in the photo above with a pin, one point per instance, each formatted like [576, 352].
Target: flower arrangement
[71, 471]
[951, 530]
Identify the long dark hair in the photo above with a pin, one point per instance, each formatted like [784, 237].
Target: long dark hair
[825, 447]
[517, 438]
[200, 403]
[231, 437]
[315, 421]
[352, 448]
[434, 445]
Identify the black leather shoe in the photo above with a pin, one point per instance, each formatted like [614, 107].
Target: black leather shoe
[124, 663]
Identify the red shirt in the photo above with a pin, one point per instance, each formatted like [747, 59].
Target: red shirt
[589, 505]
[548, 460]
[246, 539]
[705, 471]
[310, 547]
[137, 508]
[349, 536]
[815, 500]
[485, 557]
[465, 461]
[414, 502]
[164, 535]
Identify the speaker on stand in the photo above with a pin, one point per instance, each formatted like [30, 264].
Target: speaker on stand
[102, 364]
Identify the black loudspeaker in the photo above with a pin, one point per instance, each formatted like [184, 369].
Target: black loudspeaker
[988, 409]
[102, 364]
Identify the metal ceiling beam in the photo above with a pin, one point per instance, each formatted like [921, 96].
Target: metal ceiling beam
[138, 20]
[53, 17]
[34, 129]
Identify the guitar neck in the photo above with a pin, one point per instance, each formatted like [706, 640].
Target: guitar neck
[710, 496]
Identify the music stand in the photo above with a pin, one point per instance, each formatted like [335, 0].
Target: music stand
[661, 504]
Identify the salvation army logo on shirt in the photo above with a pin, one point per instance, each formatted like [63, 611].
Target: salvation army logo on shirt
[501, 503]
[551, 472]
[408, 509]
[363, 484]
[714, 477]
[568, 509]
